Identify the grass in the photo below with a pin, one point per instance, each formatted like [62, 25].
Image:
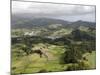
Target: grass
[34, 64]
[37, 64]
[62, 32]
[92, 59]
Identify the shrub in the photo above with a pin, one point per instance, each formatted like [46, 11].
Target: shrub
[71, 55]
[82, 65]
[42, 71]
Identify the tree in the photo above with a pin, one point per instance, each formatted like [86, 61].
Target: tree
[27, 48]
[81, 65]
[72, 55]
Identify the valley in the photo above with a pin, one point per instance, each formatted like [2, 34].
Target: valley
[53, 47]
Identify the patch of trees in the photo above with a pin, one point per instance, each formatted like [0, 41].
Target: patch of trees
[74, 57]
[31, 39]
[39, 39]
[71, 55]
[61, 41]
[82, 65]
[81, 35]
[75, 51]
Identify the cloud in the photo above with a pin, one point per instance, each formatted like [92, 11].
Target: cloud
[52, 10]
[60, 10]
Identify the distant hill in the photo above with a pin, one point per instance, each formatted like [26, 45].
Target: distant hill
[21, 21]
[29, 21]
[82, 23]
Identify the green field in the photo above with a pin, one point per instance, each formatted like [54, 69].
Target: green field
[92, 59]
[33, 63]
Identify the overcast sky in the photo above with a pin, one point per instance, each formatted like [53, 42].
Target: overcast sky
[59, 11]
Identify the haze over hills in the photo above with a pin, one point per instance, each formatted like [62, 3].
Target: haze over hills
[29, 21]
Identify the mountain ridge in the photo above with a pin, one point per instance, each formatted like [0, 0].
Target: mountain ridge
[24, 21]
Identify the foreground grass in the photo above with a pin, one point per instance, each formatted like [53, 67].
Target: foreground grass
[34, 64]
[92, 59]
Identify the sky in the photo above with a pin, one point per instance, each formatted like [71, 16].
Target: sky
[59, 11]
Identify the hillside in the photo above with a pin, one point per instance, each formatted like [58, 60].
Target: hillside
[24, 21]
[51, 45]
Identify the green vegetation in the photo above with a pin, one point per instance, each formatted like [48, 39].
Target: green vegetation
[52, 49]
[91, 59]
